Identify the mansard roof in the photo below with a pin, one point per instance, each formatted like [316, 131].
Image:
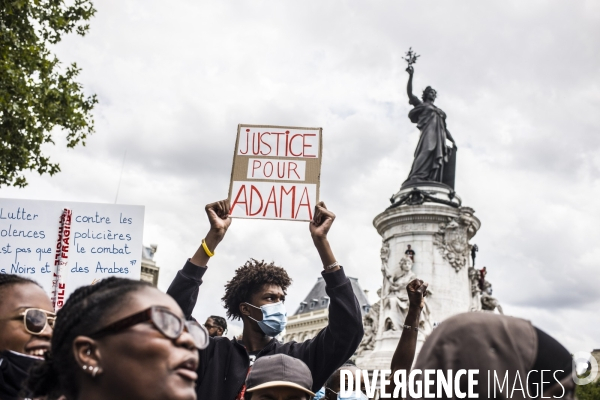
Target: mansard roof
[317, 298]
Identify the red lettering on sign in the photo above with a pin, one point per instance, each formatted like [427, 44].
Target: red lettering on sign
[255, 140]
[279, 197]
[307, 204]
[245, 202]
[290, 169]
[266, 144]
[273, 196]
[253, 190]
[247, 136]
[291, 140]
[287, 142]
[293, 193]
[278, 134]
[281, 171]
[255, 166]
[304, 145]
[268, 175]
[270, 144]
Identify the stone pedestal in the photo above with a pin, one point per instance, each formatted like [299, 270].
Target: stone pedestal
[431, 218]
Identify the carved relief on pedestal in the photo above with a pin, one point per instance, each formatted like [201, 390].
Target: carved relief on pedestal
[370, 324]
[384, 254]
[394, 297]
[475, 292]
[413, 227]
[452, 238]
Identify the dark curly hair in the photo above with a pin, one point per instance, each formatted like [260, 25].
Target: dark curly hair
[248, 280]
[84, 312]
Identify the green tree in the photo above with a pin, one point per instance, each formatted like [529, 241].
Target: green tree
[591, 391]
[37, 96]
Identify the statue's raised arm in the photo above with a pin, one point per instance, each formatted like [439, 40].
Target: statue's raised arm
[412, 99]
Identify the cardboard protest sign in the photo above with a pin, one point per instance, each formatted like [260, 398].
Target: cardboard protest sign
[276, 172]
[65, 245]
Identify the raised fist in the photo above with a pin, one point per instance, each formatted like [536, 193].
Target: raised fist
[417, 290]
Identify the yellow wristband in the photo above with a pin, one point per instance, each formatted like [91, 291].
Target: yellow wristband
[206, 250]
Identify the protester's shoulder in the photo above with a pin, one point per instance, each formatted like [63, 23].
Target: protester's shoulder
[222, 341]
[219, 342]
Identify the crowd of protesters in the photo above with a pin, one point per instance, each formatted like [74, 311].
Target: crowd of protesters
[124, 339]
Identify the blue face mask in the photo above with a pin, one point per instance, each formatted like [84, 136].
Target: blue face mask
[320, 394]
[358, 395]
[274, 318]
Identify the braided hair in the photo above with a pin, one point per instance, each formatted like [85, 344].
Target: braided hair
[83, 313]
[8, 280]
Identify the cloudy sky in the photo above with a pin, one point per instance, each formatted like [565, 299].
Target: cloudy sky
[518, 80]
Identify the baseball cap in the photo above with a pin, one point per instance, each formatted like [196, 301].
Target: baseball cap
[279, 370]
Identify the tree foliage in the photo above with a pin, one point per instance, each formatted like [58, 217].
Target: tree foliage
[591, 391]
[37, 95]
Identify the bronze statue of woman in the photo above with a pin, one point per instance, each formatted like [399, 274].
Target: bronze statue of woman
[434, 159]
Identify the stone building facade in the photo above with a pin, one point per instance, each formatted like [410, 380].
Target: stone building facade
[149, 268]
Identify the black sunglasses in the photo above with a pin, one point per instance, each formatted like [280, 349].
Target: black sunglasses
[36, 320]
[165, 321]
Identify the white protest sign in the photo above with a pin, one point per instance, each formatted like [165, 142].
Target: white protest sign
[101, 240]
[276, 172]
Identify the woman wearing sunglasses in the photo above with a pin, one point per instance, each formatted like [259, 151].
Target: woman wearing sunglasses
[26, 321]
[120, 339]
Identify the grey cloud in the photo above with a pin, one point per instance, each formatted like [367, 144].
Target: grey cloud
[517, 80]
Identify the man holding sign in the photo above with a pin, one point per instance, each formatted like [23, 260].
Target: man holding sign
[255, 295]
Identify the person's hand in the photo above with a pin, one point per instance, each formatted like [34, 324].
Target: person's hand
[410, 70]
[417, 290]
[220, 220]
[218, 216]
[321, 222]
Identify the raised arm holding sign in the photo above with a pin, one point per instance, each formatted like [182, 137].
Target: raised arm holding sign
[218, 216]
[255, 295]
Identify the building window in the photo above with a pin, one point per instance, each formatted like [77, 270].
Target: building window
[302, 306]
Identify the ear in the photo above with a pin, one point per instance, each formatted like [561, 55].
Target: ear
[245, 309]
[220, 330]
[87, 355]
